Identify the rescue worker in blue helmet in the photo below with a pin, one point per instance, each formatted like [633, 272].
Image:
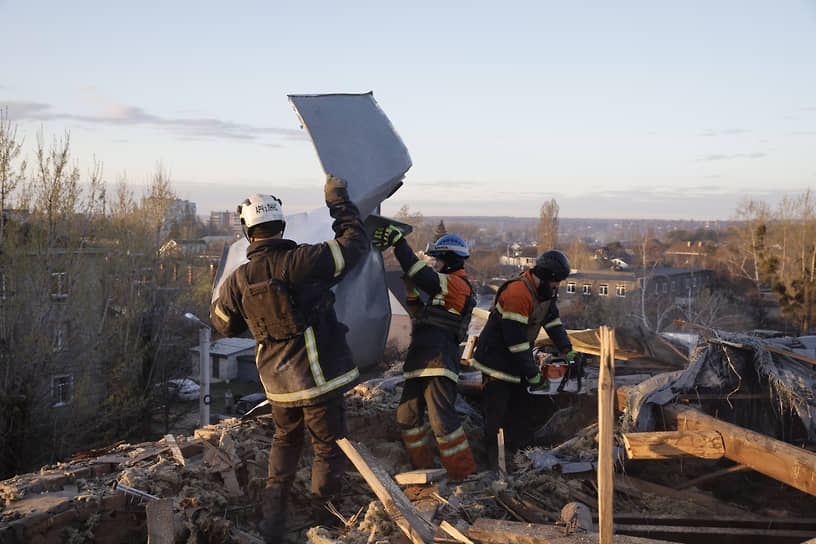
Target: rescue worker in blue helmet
[521, 308]
[440, 322]
[282, 295]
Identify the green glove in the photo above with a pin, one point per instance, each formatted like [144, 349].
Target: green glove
[570, 356]
[537, 383]
[385, 237]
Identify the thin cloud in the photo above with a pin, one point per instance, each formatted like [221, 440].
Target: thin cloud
[182, 127]
[724, 132]
[721, 157]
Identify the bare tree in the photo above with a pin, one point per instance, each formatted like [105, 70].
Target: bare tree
[56, 185]
[11, 172]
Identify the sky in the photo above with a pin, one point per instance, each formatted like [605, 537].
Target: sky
[626, 109]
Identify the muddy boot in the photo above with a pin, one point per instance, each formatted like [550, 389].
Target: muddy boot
[273, 506]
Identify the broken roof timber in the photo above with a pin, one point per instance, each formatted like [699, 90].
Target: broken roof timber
[779, 460]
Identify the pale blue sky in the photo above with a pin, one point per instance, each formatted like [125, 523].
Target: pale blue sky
[615, 109]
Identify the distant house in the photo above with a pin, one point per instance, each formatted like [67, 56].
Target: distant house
[178, 248]
[224, 355]
[690, 253]
[680, 283]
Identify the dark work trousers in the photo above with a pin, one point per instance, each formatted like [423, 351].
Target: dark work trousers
[326, 423]
[506, 405]
[438, 395]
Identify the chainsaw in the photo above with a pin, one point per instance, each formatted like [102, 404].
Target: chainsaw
[558, 371]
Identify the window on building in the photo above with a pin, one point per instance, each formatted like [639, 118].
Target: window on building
[587, 288]
[603, 290]
[665, 286]
[62, 389]
[620, 290]
[571, 288]
[59, 337]
[673, 286]
[59, 285]
[686, 283]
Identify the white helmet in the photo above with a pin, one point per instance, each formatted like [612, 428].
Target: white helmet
[259, 209]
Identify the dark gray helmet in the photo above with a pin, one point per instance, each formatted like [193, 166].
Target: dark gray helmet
[552, 265]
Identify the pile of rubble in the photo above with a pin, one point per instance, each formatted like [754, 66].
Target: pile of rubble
[206, 488]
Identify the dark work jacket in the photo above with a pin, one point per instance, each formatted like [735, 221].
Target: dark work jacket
[504, 348]
[433, 350]
[315, 365]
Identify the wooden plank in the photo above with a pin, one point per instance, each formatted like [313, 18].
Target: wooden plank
[455, 533]
[174, 449]
[160, 528]
[638, 488]
[420, 476]
[673, 444]
[467, 352]
[388, 492]
[606, 424]
[622, 393]
[495, 531]
[707, 534]
[686, 520]
[779, 460]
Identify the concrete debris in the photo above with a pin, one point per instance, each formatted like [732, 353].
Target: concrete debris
[103, 499]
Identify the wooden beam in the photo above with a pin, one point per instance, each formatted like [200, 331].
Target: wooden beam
[708, 534]
[418, 530]
[496, 531]
[673, 444]
[501, 460]
[606, 424]
[420, 476]
[779, 460]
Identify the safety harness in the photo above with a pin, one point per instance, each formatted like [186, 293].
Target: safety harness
[272, 311]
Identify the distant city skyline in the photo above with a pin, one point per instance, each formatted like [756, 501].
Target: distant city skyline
[625, 110]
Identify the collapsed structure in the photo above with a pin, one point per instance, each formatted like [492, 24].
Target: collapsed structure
[693, 446]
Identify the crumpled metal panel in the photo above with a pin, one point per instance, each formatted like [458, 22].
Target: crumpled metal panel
[354, 140]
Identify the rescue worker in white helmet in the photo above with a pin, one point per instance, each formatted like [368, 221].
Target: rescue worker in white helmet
[504, 355]
[431, 368]
[282, 295]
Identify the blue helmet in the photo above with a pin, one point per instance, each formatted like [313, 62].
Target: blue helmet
[448, 243]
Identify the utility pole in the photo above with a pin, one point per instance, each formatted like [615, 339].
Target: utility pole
[204, 369]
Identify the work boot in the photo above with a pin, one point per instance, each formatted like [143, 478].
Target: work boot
[273, 507]
[416, 444]
[456, 455]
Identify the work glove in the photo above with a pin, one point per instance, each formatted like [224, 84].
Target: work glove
[537, 383]
[570, 356]
[385, 237]
[333, 184]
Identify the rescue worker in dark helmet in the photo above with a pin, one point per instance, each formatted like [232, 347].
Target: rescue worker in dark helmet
[431, 368]
[504, 355]
[305, 364]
